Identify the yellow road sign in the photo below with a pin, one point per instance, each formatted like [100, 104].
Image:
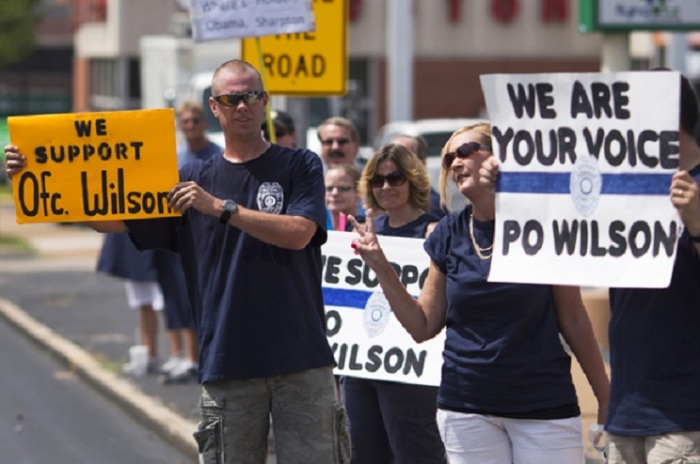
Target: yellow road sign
[311, 63]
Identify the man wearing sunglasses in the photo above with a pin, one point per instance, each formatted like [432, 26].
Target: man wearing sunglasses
[250, 236]
[340, 142]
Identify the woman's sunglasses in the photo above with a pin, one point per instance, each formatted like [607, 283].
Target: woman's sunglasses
[234, 99]
[395, 179]
[462, 152]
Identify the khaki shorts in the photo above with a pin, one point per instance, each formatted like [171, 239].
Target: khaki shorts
[669, 448]
[308, 423]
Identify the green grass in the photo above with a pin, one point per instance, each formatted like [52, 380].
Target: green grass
[12, 243]
[4, 140]
[5, 193]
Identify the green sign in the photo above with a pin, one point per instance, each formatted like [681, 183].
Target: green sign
[638, 15]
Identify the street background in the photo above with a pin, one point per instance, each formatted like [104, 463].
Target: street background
[54, 296]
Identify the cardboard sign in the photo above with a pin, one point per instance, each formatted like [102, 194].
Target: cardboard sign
[94, 166]
[313, 63]
[586, 162]
[367, 339]
[226, 19]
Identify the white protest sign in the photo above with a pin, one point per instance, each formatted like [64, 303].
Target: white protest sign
[225, 19]
[367, 339]
[586, 161]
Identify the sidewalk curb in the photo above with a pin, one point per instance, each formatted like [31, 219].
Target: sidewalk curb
[159, 418]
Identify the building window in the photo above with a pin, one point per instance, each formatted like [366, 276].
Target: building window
[89, 11]
[114, 84]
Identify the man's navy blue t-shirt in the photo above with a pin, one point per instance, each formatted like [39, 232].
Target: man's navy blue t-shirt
[655, 351]
[258, 308]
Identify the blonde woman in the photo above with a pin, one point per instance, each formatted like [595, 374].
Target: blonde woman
[506, 394]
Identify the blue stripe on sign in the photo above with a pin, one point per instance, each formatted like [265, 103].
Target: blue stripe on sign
[346, 298]
[558, 182]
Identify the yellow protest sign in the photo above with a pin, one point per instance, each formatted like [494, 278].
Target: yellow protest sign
[306, 63]
[94, 166]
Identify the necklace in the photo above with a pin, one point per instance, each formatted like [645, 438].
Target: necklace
[480, 252]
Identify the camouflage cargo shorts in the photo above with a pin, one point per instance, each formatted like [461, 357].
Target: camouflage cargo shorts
[308, 422]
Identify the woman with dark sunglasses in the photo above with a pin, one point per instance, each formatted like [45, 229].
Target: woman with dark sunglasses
[392, 422]
[506, 394]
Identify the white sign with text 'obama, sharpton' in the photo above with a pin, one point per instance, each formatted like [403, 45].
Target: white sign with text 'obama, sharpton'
[226, 19]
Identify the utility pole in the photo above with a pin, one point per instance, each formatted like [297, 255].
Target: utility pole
[676, 49]
[399, 57]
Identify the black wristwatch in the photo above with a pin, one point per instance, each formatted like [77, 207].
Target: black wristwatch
[230, 208]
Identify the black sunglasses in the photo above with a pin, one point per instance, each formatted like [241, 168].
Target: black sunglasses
[234, 99]
[463, 151]
[340, 142]
[395, 179]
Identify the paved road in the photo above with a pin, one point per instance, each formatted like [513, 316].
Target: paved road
[51, 415]
[55, 297]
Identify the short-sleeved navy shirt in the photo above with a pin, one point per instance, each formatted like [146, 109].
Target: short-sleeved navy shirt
[655, 351]
[414, 229]
[119, 258]
[186, 155]
[435, 208]
[258, 308]
[502, 355]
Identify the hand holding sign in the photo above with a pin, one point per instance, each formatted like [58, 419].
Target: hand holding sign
[186, 195]
[14, 161]
[686, 198]
[488, 173]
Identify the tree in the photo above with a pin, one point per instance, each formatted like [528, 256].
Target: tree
[18, 19]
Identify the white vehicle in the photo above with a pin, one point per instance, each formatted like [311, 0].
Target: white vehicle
[436, 132]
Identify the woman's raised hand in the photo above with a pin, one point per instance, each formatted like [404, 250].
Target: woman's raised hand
[366, 244]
